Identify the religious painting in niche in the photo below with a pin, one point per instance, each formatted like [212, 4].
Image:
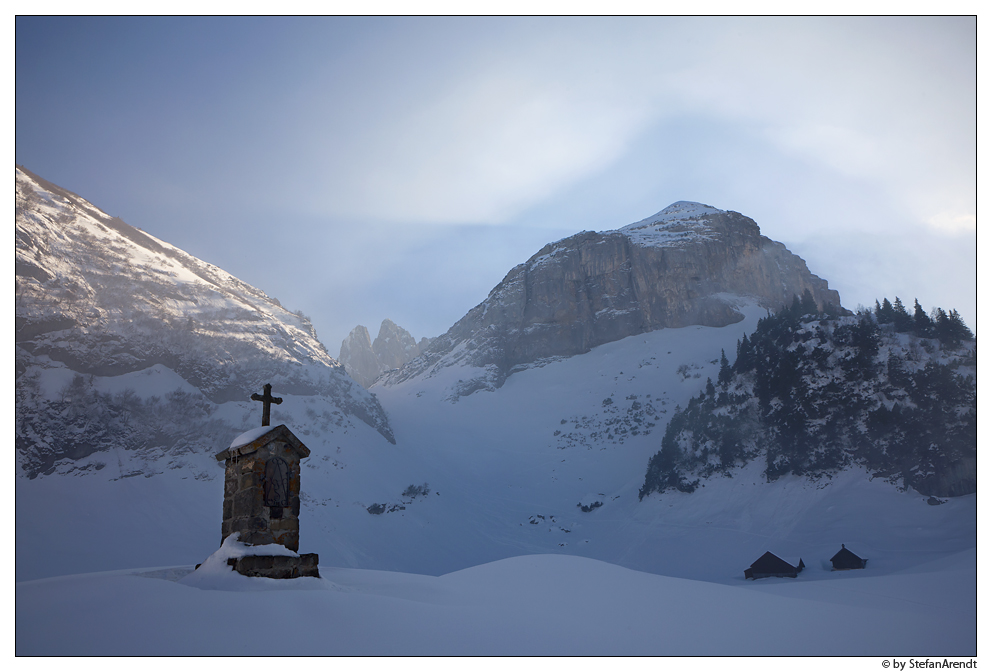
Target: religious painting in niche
[276, 486]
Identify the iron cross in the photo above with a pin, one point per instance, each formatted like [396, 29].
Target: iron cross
[266, 398]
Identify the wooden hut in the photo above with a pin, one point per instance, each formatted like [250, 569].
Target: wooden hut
[845, 559]
[771, 565]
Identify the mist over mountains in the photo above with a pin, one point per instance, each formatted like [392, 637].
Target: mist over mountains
[527, 428]
[365, 359]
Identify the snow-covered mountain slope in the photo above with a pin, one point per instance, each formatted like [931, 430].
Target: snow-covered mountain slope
[547, 467]
[810, 394]
[507, 473]
[525, 458]
[128, 346]
[673, 269]
[495, 511]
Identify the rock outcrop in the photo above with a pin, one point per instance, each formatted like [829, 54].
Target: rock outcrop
[365, 360]
[358, 358]
[394, 346]
[683, 266]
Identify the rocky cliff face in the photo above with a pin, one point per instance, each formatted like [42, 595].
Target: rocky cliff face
[365, 359]
[98, 302]
[680, 267]
[394, 346]
[358, 358]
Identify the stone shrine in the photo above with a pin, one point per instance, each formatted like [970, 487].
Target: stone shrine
[262, 497]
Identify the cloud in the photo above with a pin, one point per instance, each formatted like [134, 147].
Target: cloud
[476, 143]
[488, 128]
[478, 120]
[953, 222]
[347, 139]
[483, 152]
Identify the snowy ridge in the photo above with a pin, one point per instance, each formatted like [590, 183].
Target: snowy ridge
[68, 238]
[106, 314]
[680, 224]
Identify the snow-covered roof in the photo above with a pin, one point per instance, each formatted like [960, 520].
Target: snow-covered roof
[845, 552]
[250, 435]
[769, 562]
[253, 439]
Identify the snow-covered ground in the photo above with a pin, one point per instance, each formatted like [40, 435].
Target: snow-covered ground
[527, 605]
[499, 557]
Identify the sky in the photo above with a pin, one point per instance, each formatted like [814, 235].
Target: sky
[362, 168]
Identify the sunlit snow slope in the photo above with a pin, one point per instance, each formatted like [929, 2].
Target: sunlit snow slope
[129, 351]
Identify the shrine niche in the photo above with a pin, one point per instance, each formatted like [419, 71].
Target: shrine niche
[262, 488]
[262, 497]
[275, 486]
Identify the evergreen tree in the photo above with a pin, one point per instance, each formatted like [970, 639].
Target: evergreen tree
[726, 373]
[887, 309]
[884, 313]
[830, 310]
[663, 467]
[941, 326]
[745, 357]
[958, 328]
[808, 304]
[792, 312]
[902, 319]
[922, 325]
[898, 378]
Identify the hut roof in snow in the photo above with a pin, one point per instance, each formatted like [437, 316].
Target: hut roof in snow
[845, 559]
[770, 564]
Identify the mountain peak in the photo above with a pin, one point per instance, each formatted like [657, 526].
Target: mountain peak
[365, 359]
[689, 264]
[681, 222]
[681, 210]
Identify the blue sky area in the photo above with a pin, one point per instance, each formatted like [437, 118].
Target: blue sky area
[364, 168]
